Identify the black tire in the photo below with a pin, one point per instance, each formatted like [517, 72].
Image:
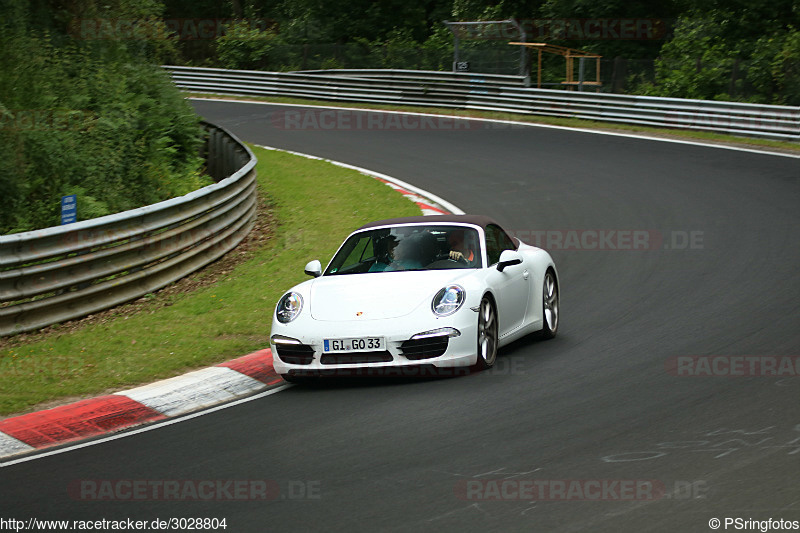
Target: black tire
[550, 306]
[487, 334]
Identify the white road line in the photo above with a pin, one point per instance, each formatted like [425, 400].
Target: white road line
[407, 186]
[517, 123]
[150, 427]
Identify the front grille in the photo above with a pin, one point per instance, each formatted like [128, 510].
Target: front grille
[354, 358]
[295, 354]
[426, 348]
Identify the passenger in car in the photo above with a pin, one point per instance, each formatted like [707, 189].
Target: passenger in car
[407, 255]
[384, 252]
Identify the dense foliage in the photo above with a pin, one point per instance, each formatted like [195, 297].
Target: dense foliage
[712, 49]
[96, 118]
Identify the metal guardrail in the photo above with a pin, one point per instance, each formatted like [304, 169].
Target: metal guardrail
[489, 92]
[422, 75]
[66, 272]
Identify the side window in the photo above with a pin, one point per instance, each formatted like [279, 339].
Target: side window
[361, 250]
[351, 255]
[496, 241]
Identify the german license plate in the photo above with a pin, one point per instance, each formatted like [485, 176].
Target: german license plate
[355, 344]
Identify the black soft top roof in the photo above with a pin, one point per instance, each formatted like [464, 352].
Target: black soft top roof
[477, 220]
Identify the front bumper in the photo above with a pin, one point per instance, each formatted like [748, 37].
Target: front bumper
[306, 355]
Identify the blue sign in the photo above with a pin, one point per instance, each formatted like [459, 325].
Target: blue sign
[69, 209]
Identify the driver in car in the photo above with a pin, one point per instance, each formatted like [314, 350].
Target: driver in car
[459, 250]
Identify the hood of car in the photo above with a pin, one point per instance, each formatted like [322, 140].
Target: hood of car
[377, 295]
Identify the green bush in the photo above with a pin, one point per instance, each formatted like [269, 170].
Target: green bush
[245, 47]
[708, 59]
[697, 62]
[92, 118]
[786, 69]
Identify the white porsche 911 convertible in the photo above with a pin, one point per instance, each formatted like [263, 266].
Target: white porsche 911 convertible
[442, 291]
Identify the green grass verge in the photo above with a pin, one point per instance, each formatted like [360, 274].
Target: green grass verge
[315, 205]
[703, 136]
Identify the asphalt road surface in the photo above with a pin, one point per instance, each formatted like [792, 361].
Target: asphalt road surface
[674, 260]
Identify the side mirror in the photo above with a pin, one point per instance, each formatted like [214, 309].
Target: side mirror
[509, 258]
[314, 268]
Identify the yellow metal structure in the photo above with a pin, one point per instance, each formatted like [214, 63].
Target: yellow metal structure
[569, 54]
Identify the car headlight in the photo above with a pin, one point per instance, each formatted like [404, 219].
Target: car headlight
[448, 300]
[289, 307]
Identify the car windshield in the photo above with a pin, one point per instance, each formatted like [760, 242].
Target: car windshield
[402, 248]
